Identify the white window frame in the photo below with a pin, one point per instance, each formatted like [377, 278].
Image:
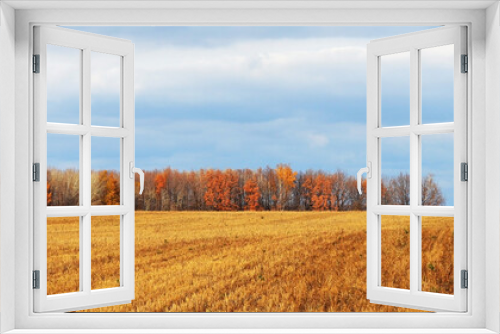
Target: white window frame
[17, 219]
[413, 44]
[85, 297]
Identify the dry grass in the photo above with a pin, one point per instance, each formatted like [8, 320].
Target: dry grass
[62, 255]
[257, 261]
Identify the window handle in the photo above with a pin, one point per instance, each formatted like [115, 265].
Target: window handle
[132, 171]
[368, 171]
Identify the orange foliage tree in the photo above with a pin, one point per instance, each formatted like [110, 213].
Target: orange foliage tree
[112, 194]
[221, 190]
[212, 189]
[252, 195]
[267, 188]
[49, 194]
[322, 197]
[159, 185]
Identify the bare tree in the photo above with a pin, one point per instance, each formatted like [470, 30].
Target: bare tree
[399, 189]
[431, 193]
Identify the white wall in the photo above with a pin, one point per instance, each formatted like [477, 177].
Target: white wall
[493, 162]
[7, 159]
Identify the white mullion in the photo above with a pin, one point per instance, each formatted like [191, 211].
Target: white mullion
[75, 211]
[122, 202]
[102, 131]
[414, 168]
[122, 250]
[40, 156]
[422, 129]
[80, 130]
[67, 211]
[432, 129]
[127, 247]
[81, 242]
[405, 210]
[419, 252]
[378, 218]
[122, 176]
[460, 155]
[373, 184]
[86, 118]
[379, 250]
[67, 129]
[434, 211]
[87, 172]
[109, 210]
[85, 253]
[392, 210]
[96, 210]
[393, 131]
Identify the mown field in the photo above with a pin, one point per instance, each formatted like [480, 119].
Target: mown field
[251, 261]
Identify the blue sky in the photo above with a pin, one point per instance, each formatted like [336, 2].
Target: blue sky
[247, 97]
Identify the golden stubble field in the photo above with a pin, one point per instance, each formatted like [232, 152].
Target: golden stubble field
[251, 261]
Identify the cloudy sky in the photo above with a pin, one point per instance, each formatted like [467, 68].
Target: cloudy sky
[248, 97]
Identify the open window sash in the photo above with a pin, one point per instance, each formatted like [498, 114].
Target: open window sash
[414, 297]
[85, 297]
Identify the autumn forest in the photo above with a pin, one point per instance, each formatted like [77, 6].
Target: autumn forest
[269, 189]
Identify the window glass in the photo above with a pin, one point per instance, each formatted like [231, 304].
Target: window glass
[395, 245]
[63, 84]
[105, 177]
[395, 171]
[437, 254]
[437, 75]
[437, 169]
[105, 88]
[63, 170]
[63, 255]
[105, 252]
[395, 89]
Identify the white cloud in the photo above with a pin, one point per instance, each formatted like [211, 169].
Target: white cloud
[199, 74]
[317, 140]
[63, 74]
[247, 69]
[63, 68]
[105, 74]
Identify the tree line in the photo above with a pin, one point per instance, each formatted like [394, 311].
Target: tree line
[280, 188]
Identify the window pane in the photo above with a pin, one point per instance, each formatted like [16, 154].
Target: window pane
[437, 169]
[63, 255]
[437, 254]
[395, 245]
[437, 84]
[105, 88]
[395, 170]
[63, 84]
[395, 89]
[105, 171]
[105, 252]
[63, 170]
